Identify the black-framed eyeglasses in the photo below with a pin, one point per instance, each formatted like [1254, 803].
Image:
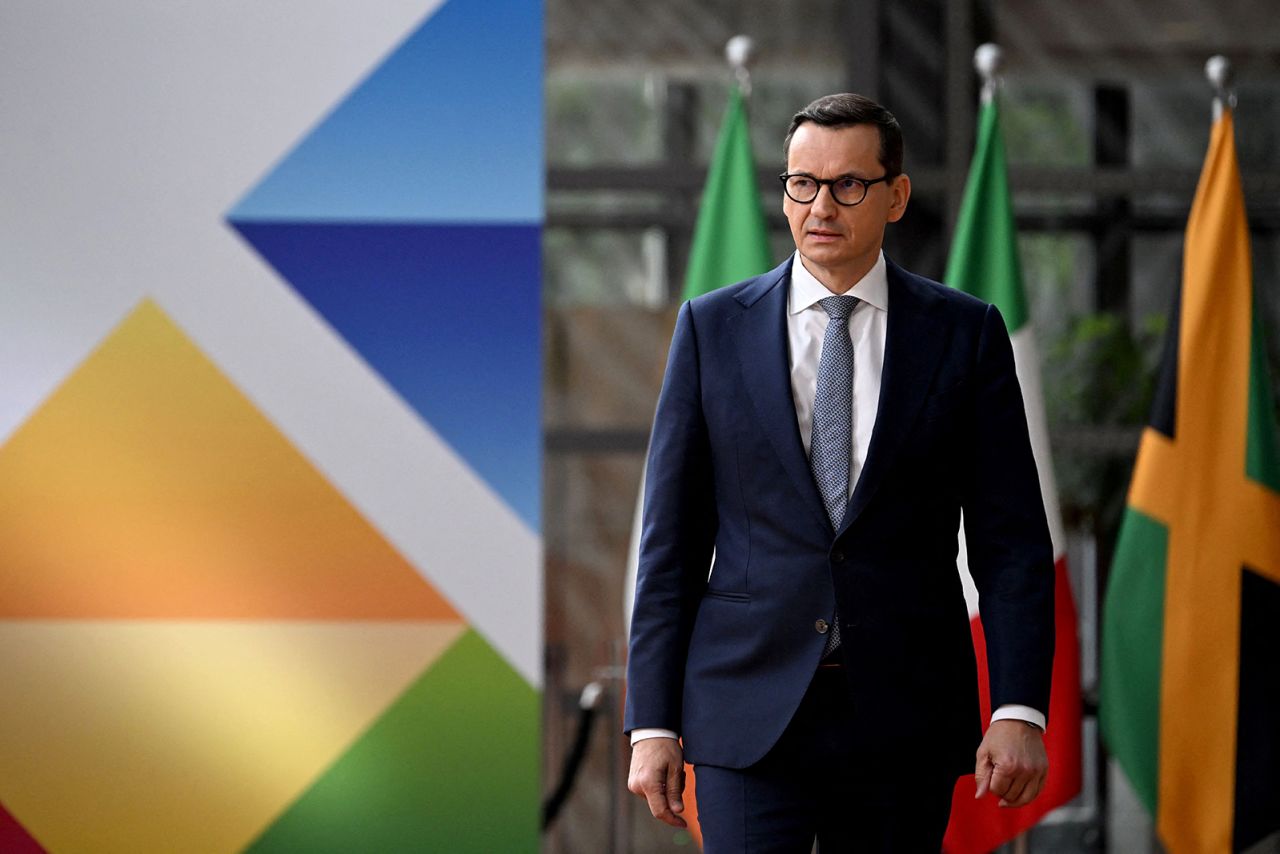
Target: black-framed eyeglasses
[848, 190]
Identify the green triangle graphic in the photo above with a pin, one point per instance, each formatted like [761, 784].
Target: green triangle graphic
[451, 766]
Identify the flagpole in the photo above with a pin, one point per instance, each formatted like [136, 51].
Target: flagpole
[740, 51]
[987, 61]
[1218, 70]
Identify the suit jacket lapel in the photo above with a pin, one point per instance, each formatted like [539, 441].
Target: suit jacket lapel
[761, 339]
[913, 347]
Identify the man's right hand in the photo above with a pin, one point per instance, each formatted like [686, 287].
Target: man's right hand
[657, 775]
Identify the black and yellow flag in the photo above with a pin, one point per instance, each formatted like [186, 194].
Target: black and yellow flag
[1191, 626]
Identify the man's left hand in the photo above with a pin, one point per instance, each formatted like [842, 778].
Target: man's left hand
[1012, 763]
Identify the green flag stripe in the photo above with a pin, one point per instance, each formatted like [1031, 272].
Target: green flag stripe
[984, 252]
[1132, 640]
[730, 240]
[1262, 459]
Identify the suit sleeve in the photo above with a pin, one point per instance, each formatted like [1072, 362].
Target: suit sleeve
[676, 543]
[1009, 548]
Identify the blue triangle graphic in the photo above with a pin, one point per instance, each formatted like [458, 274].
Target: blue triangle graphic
[448, 315]
[447, 129]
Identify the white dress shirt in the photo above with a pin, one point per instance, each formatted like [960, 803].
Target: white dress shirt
[806, 329]
[868, 327]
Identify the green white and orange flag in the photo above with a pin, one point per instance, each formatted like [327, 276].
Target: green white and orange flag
[984, 262]
[730, 243]
[1191, 624]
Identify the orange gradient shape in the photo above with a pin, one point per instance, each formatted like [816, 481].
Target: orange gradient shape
[149, 486]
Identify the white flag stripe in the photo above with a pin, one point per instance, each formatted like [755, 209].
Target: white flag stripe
[1026, 358]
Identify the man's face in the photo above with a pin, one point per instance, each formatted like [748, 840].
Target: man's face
[837, 240]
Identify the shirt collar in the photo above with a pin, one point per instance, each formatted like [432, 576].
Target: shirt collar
[806, 290]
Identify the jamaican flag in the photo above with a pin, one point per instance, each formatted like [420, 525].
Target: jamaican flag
[1191, 624]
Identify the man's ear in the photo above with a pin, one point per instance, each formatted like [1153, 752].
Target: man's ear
[900, 193]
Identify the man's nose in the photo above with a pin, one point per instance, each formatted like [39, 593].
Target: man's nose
[824, 204]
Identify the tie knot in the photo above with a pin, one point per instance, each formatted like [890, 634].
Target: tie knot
[838, 308]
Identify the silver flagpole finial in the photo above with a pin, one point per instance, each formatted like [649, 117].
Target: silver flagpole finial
[1218, 70]
[987, 60]
[739, 51]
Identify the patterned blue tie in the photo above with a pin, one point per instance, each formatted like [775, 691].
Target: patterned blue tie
[831, 443]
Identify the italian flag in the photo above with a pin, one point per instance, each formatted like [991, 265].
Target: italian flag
[984, 262]
[1190, 693]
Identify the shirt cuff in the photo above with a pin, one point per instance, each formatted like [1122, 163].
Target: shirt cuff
[1012, 712]
[642, 734]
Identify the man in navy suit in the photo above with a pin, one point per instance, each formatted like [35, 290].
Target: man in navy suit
[820, 429]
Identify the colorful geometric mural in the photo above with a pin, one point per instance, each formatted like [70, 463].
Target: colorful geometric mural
[226, 624]
[199, 631]
[410, 219]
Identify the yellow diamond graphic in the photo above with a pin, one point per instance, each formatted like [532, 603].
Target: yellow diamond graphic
[194, 623]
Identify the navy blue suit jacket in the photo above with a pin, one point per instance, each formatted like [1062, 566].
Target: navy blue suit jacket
[725, 662]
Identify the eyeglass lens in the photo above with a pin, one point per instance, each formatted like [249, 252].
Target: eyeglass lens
[804, 189]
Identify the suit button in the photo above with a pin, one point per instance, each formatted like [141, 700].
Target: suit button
[837, 557]
[821, 626]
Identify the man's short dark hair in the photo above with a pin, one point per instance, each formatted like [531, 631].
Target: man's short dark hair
[845, 110]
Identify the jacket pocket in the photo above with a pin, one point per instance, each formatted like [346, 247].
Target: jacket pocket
[727, 595]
